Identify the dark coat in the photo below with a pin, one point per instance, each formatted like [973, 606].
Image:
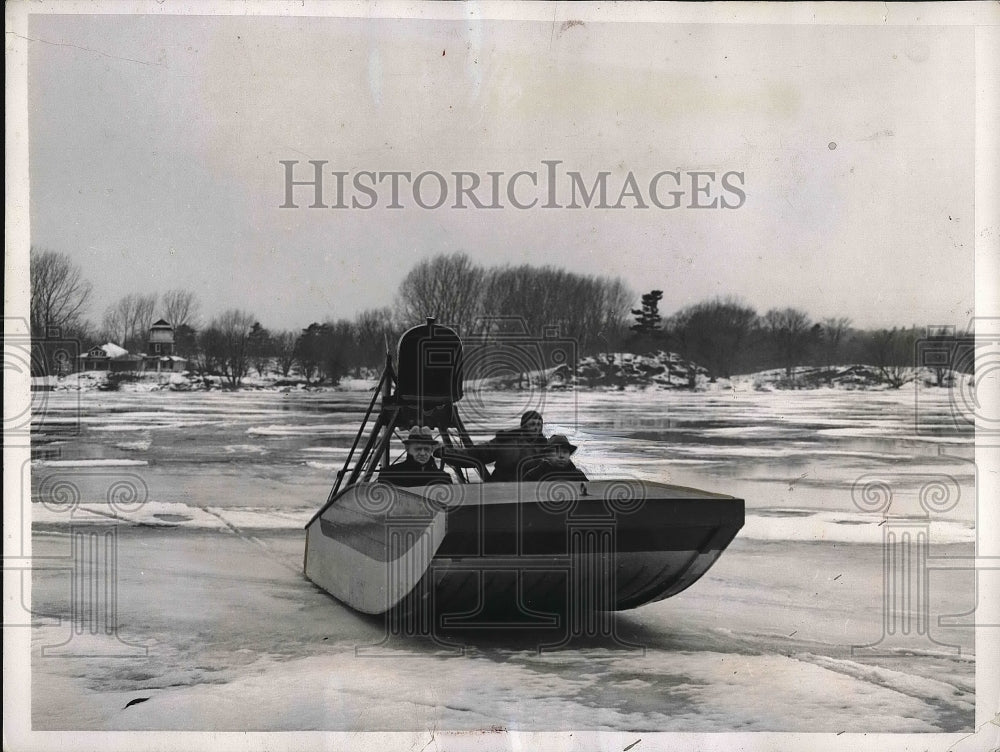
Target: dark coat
[547, 470]
[512, 452]
[409, 473]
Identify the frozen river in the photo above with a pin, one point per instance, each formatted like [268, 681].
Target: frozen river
[217, 628]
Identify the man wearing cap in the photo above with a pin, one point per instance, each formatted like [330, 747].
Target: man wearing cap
[419, 467]
[557, 464]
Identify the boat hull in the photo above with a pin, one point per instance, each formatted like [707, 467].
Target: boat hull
[525, 553]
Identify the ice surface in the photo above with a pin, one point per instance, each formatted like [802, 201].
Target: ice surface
[908, 684]
[763, 525]
[300, 430]
[697, 691]
[139, 445]
[210, 570]
[846, 528]
[89, 463]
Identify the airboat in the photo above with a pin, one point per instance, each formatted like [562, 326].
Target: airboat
[523, 552]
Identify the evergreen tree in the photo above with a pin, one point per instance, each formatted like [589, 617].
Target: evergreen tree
[260, 347]
[648, 318]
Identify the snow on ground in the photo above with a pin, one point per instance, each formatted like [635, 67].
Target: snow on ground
[614, 371]
[150, 381]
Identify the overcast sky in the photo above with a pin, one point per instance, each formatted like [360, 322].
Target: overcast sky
[155, 148]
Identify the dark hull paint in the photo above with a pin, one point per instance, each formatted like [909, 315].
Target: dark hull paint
[526, 552]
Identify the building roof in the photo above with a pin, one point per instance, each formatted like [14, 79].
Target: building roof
[162, 324]
[113, 353]
[110, 349]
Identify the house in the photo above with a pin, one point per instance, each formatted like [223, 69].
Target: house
[159, 355]
[161, 339]
[109, 357]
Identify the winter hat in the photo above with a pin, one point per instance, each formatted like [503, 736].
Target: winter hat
[530, 415]
[421, 435]
[558, 440]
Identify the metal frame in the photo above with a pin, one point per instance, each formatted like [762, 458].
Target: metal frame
[375, 453]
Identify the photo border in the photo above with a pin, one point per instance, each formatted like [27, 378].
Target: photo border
[16, 665]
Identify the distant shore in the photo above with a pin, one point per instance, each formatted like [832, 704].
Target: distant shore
[605, 372]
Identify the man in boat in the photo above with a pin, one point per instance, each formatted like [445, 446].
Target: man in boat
[513, 451]
[419, 468]
[557, 464]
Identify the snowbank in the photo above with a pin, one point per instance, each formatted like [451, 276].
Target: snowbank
[604, 371]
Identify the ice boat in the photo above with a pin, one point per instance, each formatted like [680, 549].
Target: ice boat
[504, 550]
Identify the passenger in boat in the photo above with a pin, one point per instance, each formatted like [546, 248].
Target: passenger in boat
[557, 464]
[419, 468]
[512, 451]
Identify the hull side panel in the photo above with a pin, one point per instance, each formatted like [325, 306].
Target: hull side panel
[468, 553]
[372, 561]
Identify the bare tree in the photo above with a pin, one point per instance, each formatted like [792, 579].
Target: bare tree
[231, 335]
[181, 308]
[790, 333]
[127, 321]
[591, 311]
[511, 303]
[207, 356]
[59, 293]
[514, 300]
[284, 350]
[712, 334]
[893, 353]
[586, 308]
[446, 287]
[833, 334]
[375, 329]
[944, 341]
[615, 304]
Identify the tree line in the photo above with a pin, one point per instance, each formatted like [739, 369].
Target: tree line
[724, 335]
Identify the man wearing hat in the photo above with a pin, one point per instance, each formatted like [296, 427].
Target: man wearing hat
[419, 467]
[557, 464]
